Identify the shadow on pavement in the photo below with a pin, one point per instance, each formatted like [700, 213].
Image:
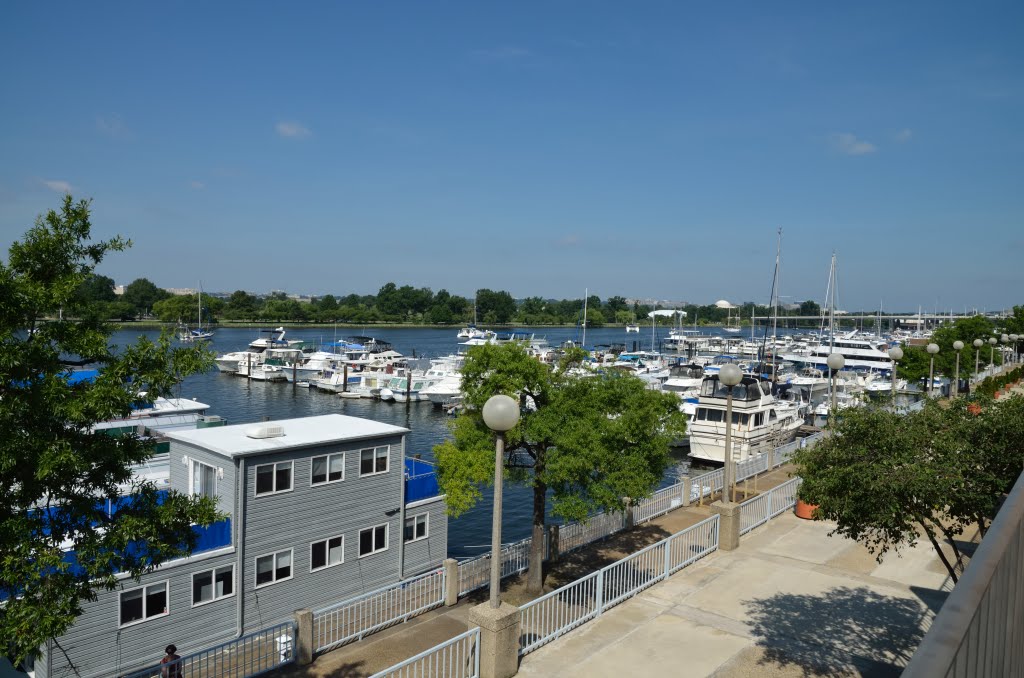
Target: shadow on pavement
[845, 630]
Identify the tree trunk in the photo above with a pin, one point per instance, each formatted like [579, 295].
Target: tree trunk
[938, 549]
[535, 575]
[951, 538]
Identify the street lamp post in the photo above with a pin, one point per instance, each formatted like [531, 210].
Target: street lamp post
[501, 414]
[896, 353]
[730, 375]
[835, 362]
[957, 346]
[978, 343]
[1005, 339]
[992, 351]
[1014, 338]
[932, 350]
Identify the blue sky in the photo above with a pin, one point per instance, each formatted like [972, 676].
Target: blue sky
[645, 149]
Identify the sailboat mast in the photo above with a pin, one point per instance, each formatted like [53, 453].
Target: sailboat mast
[586, 292]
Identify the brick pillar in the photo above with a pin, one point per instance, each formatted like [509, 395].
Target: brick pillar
[304, 637]
[451, 581]
[499, 639]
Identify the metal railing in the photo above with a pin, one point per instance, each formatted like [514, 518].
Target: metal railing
[576, 535]
[764, 507]
[550, 616]
[475, 573]
[249, 655]
[980, 629]
[455, 658]
[352, 619]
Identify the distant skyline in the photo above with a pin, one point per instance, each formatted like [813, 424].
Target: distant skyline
[644, 150]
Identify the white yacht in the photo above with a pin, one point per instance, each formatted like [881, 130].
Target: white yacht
[759, 421]
[229, 362]
[859, 353]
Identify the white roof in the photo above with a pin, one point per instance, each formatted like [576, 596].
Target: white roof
[232, 441]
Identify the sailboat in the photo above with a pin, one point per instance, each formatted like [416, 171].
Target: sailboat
[728, 322]
[472, 332]
[198, 334]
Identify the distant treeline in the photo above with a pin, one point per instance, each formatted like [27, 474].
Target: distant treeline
[392, 304]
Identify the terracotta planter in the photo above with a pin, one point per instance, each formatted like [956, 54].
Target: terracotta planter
[805, 510]
[974, 408]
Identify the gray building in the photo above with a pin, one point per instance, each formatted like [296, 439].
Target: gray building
[319, 509]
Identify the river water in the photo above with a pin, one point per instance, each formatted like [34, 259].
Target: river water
[243, 401]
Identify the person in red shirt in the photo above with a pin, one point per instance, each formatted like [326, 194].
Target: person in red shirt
[170, 665]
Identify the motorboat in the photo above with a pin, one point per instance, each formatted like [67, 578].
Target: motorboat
[229, 362]
[760, 422]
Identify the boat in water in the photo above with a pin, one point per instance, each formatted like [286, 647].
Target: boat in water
[760, 421]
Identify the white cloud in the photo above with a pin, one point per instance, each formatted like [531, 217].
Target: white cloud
[847, 143]
[59, 186]
[903, 136]
[197, 185]
[113, 126]
[292, 130]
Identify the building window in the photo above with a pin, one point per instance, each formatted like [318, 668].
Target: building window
[374, 460]
[273, 478]
[273, 568]
[326, 553]
[373, 540]
[416, 527]
[329, 468]
[145, 602]
[213, 585]
[204, 480]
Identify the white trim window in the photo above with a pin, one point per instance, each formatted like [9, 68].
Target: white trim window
[274, 478]
[326, 553]
[373, 540]
[212, 585]
[417, 527]
[203, 479]
[273, 568]
[374, 460]
[328, 468]
[143, 603]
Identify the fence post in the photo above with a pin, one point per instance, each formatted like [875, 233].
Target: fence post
[668, 557]
[499, 639]
[451, 581]
[554, 549]
[687, 490]
[629, 513]
[304, 637]
[729, 524]
[600, 592]
[771, 459]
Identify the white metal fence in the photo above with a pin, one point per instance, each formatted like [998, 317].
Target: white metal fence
[249, 655]
[764, 507]
[548, 617]
[455, 658]
[475, 573]
[357, 617]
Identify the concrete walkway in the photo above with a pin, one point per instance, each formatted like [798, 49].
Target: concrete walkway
[791, 601]
[386, 648]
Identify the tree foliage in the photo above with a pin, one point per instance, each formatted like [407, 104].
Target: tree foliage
[143, 294]
[586, 440]
[917, 361]
[888, 479]
[56, 471]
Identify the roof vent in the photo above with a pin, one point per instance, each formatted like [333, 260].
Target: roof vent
[265, 431]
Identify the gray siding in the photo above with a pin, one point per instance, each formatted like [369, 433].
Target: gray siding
[295, 519]
[427, 554]
[99, 648]
[179, 473]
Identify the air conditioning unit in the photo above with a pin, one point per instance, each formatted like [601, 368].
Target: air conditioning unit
[265, 431]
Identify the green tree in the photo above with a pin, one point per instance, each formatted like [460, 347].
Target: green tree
[916, 360]
[242, 306]
[885, 479]
[185, 308]
[495, 307]
[56, 470]
[143, 294]
[96, 288]
[589, 441]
